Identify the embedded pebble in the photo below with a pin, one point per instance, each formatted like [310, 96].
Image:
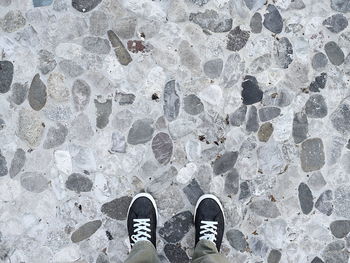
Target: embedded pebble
[340, 5]
[334, 53]
[305, 198]
[319, 61]
[30, 127]
[335, 252]
[340, 228]
[211, 20]
[125, 27]
[269, 113]
[312, 155]
[81, 92]
[251, 92]
[47, 62]
[318, 83]
[19, 93]
[81, 128]
[162, 147]
[78, 183]
[96, 45]
[140, 132]
[176, 227]
[34, 182]
[300, 127]
[38, 3]
[336, 23]
[274, 256]
[85, 6]
[70, 68]
[265, 131]
[98, 23]
[193, 191]
[3, 165]
[180, 128]
[237, 39]
[121, 52]
[171, 105]
[193, 105]
[86, 231]
[2, 124]
[124, 98]
[118, 143]
[317, 260]
[340, 119]
[316, 106]
[232, 182]
[175, 253]
[324, 203]
[103, 111]
[225, 162]
[12, 21]
[237, 118]
[213, 68]
[244, 191]
[17, 163]
[254, 4]
[273, 20]
[256, 23]
[56, 86]
[237, 240]
[55, 136]
[117, 208]
[283, 52]
[252, 124]
[6, 76]
[264, 208]
[37, 94]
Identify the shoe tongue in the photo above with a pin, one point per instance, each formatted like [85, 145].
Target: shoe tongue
[209, 215]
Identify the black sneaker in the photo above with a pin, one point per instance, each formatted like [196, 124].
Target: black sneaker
[209, 220]
[142, 219]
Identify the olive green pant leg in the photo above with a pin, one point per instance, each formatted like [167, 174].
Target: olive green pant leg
[143, 252]
[206, 252]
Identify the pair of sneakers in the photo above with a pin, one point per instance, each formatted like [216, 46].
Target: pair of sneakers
[143, 216]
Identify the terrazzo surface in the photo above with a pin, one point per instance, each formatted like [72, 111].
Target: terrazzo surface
[103, 99]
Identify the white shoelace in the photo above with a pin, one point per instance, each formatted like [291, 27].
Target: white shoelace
[141, 230]
[208, 230]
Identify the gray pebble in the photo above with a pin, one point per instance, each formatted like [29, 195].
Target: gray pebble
[256, 23]
[316, 106]
[213, 68]
[175, 253]
[3, 165]
[17, 163]
[317, 260]
[324, 203]
[237, 240]
[103, 111]
[254, 4]
[265, 131]
[125, 27]
[334, 53]
[55, 136]
[260, 64]
[341, 5]
[86, 231]
[171, 104]
[176, 227]
[124, 98]
[238, 117]
[305, 198]
[39, 3]
[300, 127]
[237, 39]
[277, 97]
[121, 53]
[336, 23]
[70, 68]
[318, 83]
[78, 183]
[6, 75]
[2, 124]
[264, 208]
[232, 182]
[211, 20]
[141, 132]
[12, 21]
[85, 6]
[244, 191]
[283, 52]
[193, 105]
[269, 113]
[252, 124]
[319, 61]
[34, 182]
[340, 228]
[162, 147]
[118, 143]
[47, 62]
[340, 119]
[251, 92]
[117, 208]
[342, 201]
[225, 162]
[335, 252]
[273, 20]
[193, 192]
[81, 94]
[96, 45]
[98, 23]
[102, 258]
[19, 93]
[81, 128]
[274, 256]
[37, 94]
[312, 155]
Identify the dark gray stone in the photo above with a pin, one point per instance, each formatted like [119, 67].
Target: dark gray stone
[2, 124]
[84, 5]
[55, 137]
[317, 260]
[251, 92]
[162, 147]
[175, 253]
[300, 127]
[118, 143]
[34, 182]
[232, 182]
[319, 61]
[340, 119]
[6, 76]
[176, 227]
[12, 21]
[211, 20]
[81, 93]
[237, 39]
[98, 23]
[252, 124]
[269, 113]
[318, 83]
[96, 45]
[86, 231]
[264, 208]
[193, 105]
[324, 203]
[193, 192]
[244, 191]
[336, 23]
[283, 52]
[103, 111]
[265, 131]
[316, 106]
[17, 163]
[102, 258]
[213, 68]
[200, 2]
[79, 183]
[70, 68]
[305, 198]
[334, 53]
[237, 240]
[19, 93]
[140, 132]
[124, 98]
[335, 252]
[117, 208]
[274, 256]
[47, 62]
[3, 165]
[341, 5]
[171, 104]
[37, 94]
[238, 117]
[225, 162]
[256, 23]
[312, 155]
[340, 228]
[273, 20]
[121, 52]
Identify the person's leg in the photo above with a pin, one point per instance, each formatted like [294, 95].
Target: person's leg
[142, 226]
[209, 225]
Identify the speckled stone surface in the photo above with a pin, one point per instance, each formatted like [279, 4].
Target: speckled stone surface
[245, 99]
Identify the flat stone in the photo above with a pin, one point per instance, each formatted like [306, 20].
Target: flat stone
[283, 52]
[317, 260]
[193, 191]
[121, 52]
[264, 208]
[102, 258]
[176, 227]
[82, 157]
[175, 253]
[251, 92]
[336, 23]
[3, 166]
[30, 127]
[124, 98]
[34, 182]
[312, 155]
[86, 231]
[70, 68]
[340, 228]
[81, 128]
[340, 119]
[244, 191]
[103, 111]
[47, 62]
[237, 240]
[37, 94]
[252, 124]
[233, 70]
[318, 83]
[273, 20]
[232, 182]
[180, 128]
[98, 23]
[269, 113]
[78, 183]
[265, 132]
[117, 208]
[324, 203]
[18, 161]
[193, 150]
[316, 106]
[300, 127]
[140, 132]
[193, 105]
[12, 21]
[270, 158]
[6, 76]
[335, 252]
[81, 93]
[85, 6]
[319, 61]
[96, 45]
[125, 27]
[254, 4]
[19, 93]
[57, 87]
[260, 64]
[55, 136]
[212, 21]
[237, 39]
[256, 23]
[237, 118]
[274, 256]
[213, 68]
[258, 247]
[225, 162]
[38, 3]
[334, 53]
[305, 198]
[171, 104]
[118, 143]
[200, 2]
[340, 5]
[162, 147]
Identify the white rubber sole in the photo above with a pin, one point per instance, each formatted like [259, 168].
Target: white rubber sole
[208, 196]
[149, 197]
